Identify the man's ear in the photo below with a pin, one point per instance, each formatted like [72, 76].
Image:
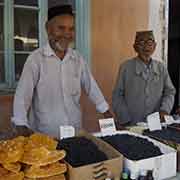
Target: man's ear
[46, 26]
[155, 44]
[135, 47]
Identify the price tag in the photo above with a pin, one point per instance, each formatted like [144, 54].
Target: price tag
[169, 119]
[107, 126]
[154, 121]
[66, 131]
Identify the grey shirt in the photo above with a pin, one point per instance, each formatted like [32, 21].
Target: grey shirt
[49, 90]
[135, 95]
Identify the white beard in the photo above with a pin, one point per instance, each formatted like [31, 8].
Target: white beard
[59, 47]
[56, 45]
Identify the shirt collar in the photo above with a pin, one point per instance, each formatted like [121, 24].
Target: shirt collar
[48, 51]
[140, 66]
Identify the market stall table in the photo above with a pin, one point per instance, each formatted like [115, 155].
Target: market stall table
[176, 178]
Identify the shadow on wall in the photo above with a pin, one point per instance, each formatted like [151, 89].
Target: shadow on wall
[90, 117]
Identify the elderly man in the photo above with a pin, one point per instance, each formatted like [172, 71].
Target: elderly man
[49, 89]
[143, 85]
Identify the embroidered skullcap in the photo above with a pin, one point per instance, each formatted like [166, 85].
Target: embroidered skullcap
[59, 10]
[144, 34]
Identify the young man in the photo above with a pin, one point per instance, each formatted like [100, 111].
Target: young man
[143, 84]
[49, 89]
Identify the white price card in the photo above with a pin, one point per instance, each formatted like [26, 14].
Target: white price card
[153, 121]
[66, 131]
[107, 126]
[169, 119]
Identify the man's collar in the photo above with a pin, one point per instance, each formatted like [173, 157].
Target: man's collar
[48, 51]
[140, 66]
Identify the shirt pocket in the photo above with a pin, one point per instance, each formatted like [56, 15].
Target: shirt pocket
[157, 86]
[72, 78]
[156, 77]
[74, 86]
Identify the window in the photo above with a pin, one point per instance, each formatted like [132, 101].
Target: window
[2, 73]
[33, 3]
[25, 34]
[21, 32]
[22, 29]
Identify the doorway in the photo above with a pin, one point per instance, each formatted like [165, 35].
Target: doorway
[174, 46]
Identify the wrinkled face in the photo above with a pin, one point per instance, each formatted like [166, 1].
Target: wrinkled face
[145, 46]
[60, 32]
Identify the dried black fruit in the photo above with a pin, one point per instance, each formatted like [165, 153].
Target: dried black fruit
[81, 151]
[168, 134]
[133, 147]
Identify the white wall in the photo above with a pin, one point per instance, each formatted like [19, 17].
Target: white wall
[159, 25]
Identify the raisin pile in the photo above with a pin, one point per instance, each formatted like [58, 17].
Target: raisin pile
[168, 134]
[175, 125]
[81, 151]
[132, 147]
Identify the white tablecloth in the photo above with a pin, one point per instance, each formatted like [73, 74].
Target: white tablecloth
[176, 178]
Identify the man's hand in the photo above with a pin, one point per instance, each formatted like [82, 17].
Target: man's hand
[107, 114]
[23, 131]
[178, 110]
[162, 114]
[119, 126]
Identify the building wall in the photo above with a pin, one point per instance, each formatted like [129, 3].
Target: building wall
[113, 27]
[5, 111]
[158, 22]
